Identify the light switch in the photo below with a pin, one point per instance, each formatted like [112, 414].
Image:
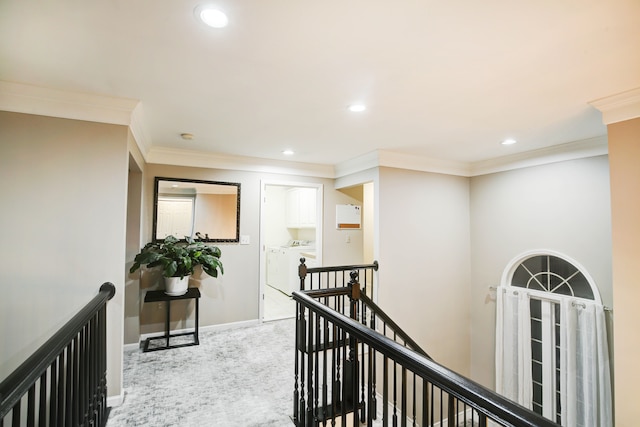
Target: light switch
[245, 240]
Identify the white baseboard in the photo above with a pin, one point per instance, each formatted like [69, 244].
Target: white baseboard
[209, 328]
[443, 423]
[131, 347]
[113, 401]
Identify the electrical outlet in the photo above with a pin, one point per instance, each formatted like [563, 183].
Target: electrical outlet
[245, 240]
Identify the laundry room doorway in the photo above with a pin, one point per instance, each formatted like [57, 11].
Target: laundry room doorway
[290, 229]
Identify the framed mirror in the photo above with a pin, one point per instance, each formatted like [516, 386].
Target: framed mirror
[204, 210]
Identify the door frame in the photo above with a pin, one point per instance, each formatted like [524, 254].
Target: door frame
[263, 250]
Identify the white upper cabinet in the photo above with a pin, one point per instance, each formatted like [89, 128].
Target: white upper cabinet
[301, 208]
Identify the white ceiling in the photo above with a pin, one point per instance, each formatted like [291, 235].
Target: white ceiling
[446, 79]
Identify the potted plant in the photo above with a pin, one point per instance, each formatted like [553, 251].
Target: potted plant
[178, 260]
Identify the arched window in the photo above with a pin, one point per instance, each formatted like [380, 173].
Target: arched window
[549, 309]
[553, 274]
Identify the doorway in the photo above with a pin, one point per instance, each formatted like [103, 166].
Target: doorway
[290, 228]
[134, 224]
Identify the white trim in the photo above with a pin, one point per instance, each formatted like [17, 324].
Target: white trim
[590, 147]
[548, 359]
[117, 400]
[179, 157]
[263, 250]
[558, 153]
[619, 107]
[383, 158]
[445, 422]
[209, 328]
[139, 131]
[425, 164]
[507, 274]
[131, 347]
[380, 411]
[361, 163]
[30, 99]
[43, 101]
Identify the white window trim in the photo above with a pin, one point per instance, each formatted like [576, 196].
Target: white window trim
[507, 275]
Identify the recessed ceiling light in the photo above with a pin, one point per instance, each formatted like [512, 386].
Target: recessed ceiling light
[357, 108]
[212, 17]
[288, 152]
[509, 141]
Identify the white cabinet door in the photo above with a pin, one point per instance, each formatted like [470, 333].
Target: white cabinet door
[307, 206]
[301, 208]
[293, 208]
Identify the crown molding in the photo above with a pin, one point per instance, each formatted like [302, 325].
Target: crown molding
[139, 131]
[30, 99]
[358, 164]
[401, 161]
[43, 101]
[619, 107]
[180, 157]
[591, 147]
[424, 164]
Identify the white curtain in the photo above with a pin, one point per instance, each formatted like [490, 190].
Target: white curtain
[584, 365]
[513, 346]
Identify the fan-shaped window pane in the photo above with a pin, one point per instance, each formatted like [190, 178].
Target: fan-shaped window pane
[552, 274]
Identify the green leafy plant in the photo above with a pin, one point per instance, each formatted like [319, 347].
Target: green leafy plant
[178, 259]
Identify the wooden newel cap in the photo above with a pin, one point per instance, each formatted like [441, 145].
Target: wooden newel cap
[355, 290]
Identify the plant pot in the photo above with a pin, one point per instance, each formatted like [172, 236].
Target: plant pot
[176, 286]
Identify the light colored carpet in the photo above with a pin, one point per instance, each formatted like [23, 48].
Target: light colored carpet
[239, 377]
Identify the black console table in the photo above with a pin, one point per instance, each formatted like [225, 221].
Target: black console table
[160, 296]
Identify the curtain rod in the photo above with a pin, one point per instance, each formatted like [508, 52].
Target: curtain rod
[574, 303]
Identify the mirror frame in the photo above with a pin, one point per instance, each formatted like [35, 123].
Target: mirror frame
[196, 181]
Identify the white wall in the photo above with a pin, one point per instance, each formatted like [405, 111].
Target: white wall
[62, 223]
[563, 207]
[423, 226]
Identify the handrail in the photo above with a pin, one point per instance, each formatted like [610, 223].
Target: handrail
[373, 266]
[482, 399]
[21, 379]
[379, 313]
[387, 320]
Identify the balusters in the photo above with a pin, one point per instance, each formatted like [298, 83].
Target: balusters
[65, 376]
[316, 352]
[296, 395]
[310, 387]
[31, 400]
[325, 344]
[413, 396]
[302, 346]
[42, 401]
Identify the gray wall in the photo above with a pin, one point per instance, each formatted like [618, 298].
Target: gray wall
[563, 207]
[423, 227]
[234, 296]
[62, 224]
[441, 240]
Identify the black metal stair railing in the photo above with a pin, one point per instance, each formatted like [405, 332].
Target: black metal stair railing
[336, 276]
[64, 382]
[354, 365]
